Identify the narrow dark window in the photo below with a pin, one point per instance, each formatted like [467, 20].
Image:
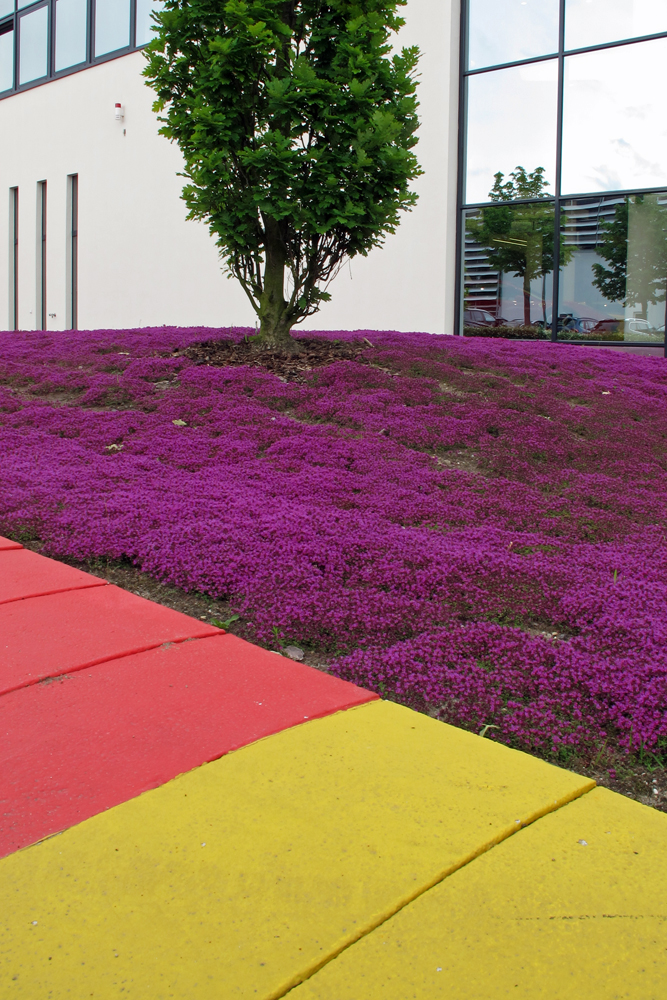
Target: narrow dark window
[72, 250]
[14, 258]
[41, 255]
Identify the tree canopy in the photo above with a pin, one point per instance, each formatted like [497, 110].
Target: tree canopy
[297, 123]
[636, 268]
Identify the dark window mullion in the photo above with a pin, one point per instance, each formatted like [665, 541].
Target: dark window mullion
[515, 201]
[555, 284]
[91, 30]
[51, 57]
[516, 62]
[16, 51]
[615, 44]
[461, 160]
[570, 52]
[571, 196]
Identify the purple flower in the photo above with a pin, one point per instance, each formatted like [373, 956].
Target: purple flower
[468, 526]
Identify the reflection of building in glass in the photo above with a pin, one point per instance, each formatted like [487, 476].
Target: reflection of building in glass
[482, 285]
[613, 274]
[498, 293]
[580, 298]
[609, 185]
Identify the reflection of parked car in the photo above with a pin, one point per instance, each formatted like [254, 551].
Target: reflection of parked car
[576, 324]
[638, 326]
[607, 326]
[622, 326]
[480, 317]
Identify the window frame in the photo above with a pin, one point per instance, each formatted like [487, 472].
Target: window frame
[10, 22]
[20, 14]
[557, 198]
[56, 74]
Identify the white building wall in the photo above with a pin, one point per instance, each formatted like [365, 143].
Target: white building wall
[142, 264]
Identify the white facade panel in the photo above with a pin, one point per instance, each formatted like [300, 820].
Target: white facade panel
[140, 263]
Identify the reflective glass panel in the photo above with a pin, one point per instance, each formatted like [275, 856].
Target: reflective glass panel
[612, 285]
[594, 22]
[23, 3]
[502, 31]
[614, 122]
[508, 271]
[511, 122]
[6, 60]
[71, 25]
[112, 25]
[33, 45]
[144, 22]
[6, 7]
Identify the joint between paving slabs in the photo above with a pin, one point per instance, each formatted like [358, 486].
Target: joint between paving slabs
[363, 932]
[107, 659]
[52, 593]
[325, 713]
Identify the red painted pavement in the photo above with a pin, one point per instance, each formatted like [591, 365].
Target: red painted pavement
[88, 741]
[7, 543]
[47, 636]
[26, 574]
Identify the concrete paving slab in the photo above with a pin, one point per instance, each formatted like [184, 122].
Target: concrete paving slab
[573, 907]
[91, 740]
[243, 877]
[26, 574]
[7, 543]
[48, 636]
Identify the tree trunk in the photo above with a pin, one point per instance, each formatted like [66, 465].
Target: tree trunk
[526, 298]
[274, 319]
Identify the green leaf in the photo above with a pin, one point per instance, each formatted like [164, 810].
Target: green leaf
[224, 625]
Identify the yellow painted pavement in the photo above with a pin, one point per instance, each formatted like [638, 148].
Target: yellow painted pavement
[244, 876]
[572, 908]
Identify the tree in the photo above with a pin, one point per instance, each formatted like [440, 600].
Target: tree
[519, 239]
[297, 127]
[637, 268]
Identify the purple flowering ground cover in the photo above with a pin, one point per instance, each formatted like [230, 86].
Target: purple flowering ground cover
[474, 528]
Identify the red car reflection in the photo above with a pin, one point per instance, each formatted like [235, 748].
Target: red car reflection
[480, 317]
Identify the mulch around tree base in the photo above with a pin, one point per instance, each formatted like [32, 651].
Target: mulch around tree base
[308, 354]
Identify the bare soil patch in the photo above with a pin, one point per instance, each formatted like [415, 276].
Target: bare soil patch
[308, 354]
[197, 605]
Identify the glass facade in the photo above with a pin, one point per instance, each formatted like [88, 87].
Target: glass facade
[112, 26]
[71, 33]
[39, 41]
[33, 44]
[563, 170]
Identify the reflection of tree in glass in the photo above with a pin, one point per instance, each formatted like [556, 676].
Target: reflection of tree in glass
[644, 258]
[519, 239]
